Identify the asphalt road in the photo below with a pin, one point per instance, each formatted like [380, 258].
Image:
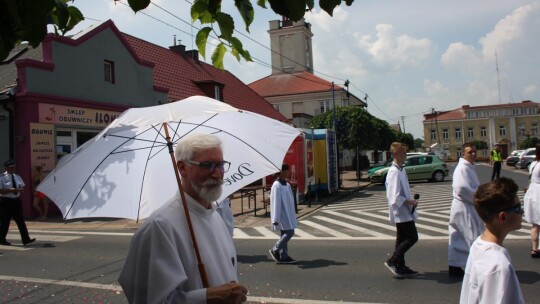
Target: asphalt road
[82, 268]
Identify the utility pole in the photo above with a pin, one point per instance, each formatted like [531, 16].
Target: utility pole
[403, 123]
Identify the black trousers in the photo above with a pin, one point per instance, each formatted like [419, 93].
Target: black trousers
[406, 237]
[496, 170]
[11, 208]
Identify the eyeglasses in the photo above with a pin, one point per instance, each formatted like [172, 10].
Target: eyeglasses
[514, 209]
[223, 166]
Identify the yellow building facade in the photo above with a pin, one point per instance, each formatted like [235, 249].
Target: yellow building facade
[505, 124]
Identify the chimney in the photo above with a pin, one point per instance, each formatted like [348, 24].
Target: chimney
[193, 54]
[178, 49]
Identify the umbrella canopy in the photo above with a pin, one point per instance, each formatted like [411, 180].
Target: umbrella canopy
[126, 170]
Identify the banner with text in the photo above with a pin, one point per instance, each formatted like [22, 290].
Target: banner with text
[42, 146]
[67, 115]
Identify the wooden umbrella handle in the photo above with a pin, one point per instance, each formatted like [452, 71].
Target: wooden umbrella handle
[202, 269]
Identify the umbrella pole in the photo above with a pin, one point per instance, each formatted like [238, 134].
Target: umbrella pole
[202, 269]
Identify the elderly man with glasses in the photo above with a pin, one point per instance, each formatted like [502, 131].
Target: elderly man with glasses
[161, 265]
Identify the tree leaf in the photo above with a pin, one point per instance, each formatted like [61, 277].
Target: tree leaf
[201, 38]
[217, 56]
[280, 7]
[329, 5]
[236, 46]
[246, 11]
[137, 5]
[297, 9]
[198, 8]
[262, 3]
[226, 25]
[310, 4]
[75, 16]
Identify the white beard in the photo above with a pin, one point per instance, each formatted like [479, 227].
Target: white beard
[209, 191]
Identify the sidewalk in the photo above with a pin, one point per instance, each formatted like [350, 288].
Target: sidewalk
[241, 219]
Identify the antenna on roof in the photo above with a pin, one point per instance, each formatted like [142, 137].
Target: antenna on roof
[174, 40]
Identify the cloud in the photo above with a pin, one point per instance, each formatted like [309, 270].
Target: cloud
[463, 58]
[435, 88]
[327, 23]
[395, 52]
[531, 90]
[514, 28]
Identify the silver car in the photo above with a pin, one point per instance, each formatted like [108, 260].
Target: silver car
[526, 158]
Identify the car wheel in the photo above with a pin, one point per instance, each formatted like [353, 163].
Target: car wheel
[438, 176]
[529, 166]
[383, 182]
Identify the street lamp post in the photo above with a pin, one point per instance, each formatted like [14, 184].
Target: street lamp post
[335, 133]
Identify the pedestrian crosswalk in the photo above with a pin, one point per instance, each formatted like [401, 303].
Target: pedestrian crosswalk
[364, 216]
[44, 240]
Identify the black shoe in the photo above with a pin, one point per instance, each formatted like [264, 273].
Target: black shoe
[535, 254]
[287, 260]
[393, 269]
[5, 243]
[406, 271]
[29, 241]
[275, 255]
[455, 271]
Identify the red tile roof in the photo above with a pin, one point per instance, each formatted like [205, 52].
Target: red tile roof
[290, 84]
[180, 74]
[456, 114]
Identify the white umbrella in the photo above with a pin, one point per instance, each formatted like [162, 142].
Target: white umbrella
[126, 170]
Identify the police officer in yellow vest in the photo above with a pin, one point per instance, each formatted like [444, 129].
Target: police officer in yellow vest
[496, 161]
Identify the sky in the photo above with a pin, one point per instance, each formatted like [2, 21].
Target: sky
[409, 57]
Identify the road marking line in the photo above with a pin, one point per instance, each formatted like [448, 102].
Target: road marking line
[325, 229]
[353, 227]
[267, 233]
[426, 227]
[298, 301]
[301, 233]
[238, 233]
[63, 282]
[83, 232]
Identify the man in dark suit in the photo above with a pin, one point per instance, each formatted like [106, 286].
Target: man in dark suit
[11, 187]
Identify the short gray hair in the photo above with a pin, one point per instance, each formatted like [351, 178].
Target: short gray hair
[191, 144]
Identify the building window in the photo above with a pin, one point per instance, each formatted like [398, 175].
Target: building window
[521, 130]
[458, 151]
[217, 93]
[470, 132]
[324, 106]
[433, 134]
[502, 130]
[108, 69]
[483, 132]
[445, 133]
[458, 133]
[276, 106]
[534, 129]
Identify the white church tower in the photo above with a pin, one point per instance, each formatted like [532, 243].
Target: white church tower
[290, 43]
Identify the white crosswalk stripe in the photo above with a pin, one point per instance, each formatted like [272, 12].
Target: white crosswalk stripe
[43, 240]
[364, 216]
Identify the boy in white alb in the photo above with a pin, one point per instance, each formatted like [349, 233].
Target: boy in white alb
[489, 274]
[401, 212]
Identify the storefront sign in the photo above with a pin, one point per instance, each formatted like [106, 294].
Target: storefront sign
[42, 146]
[75, 116]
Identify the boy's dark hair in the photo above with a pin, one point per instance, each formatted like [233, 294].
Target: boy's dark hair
[284, 167]
[494, 197]
[468, 144]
